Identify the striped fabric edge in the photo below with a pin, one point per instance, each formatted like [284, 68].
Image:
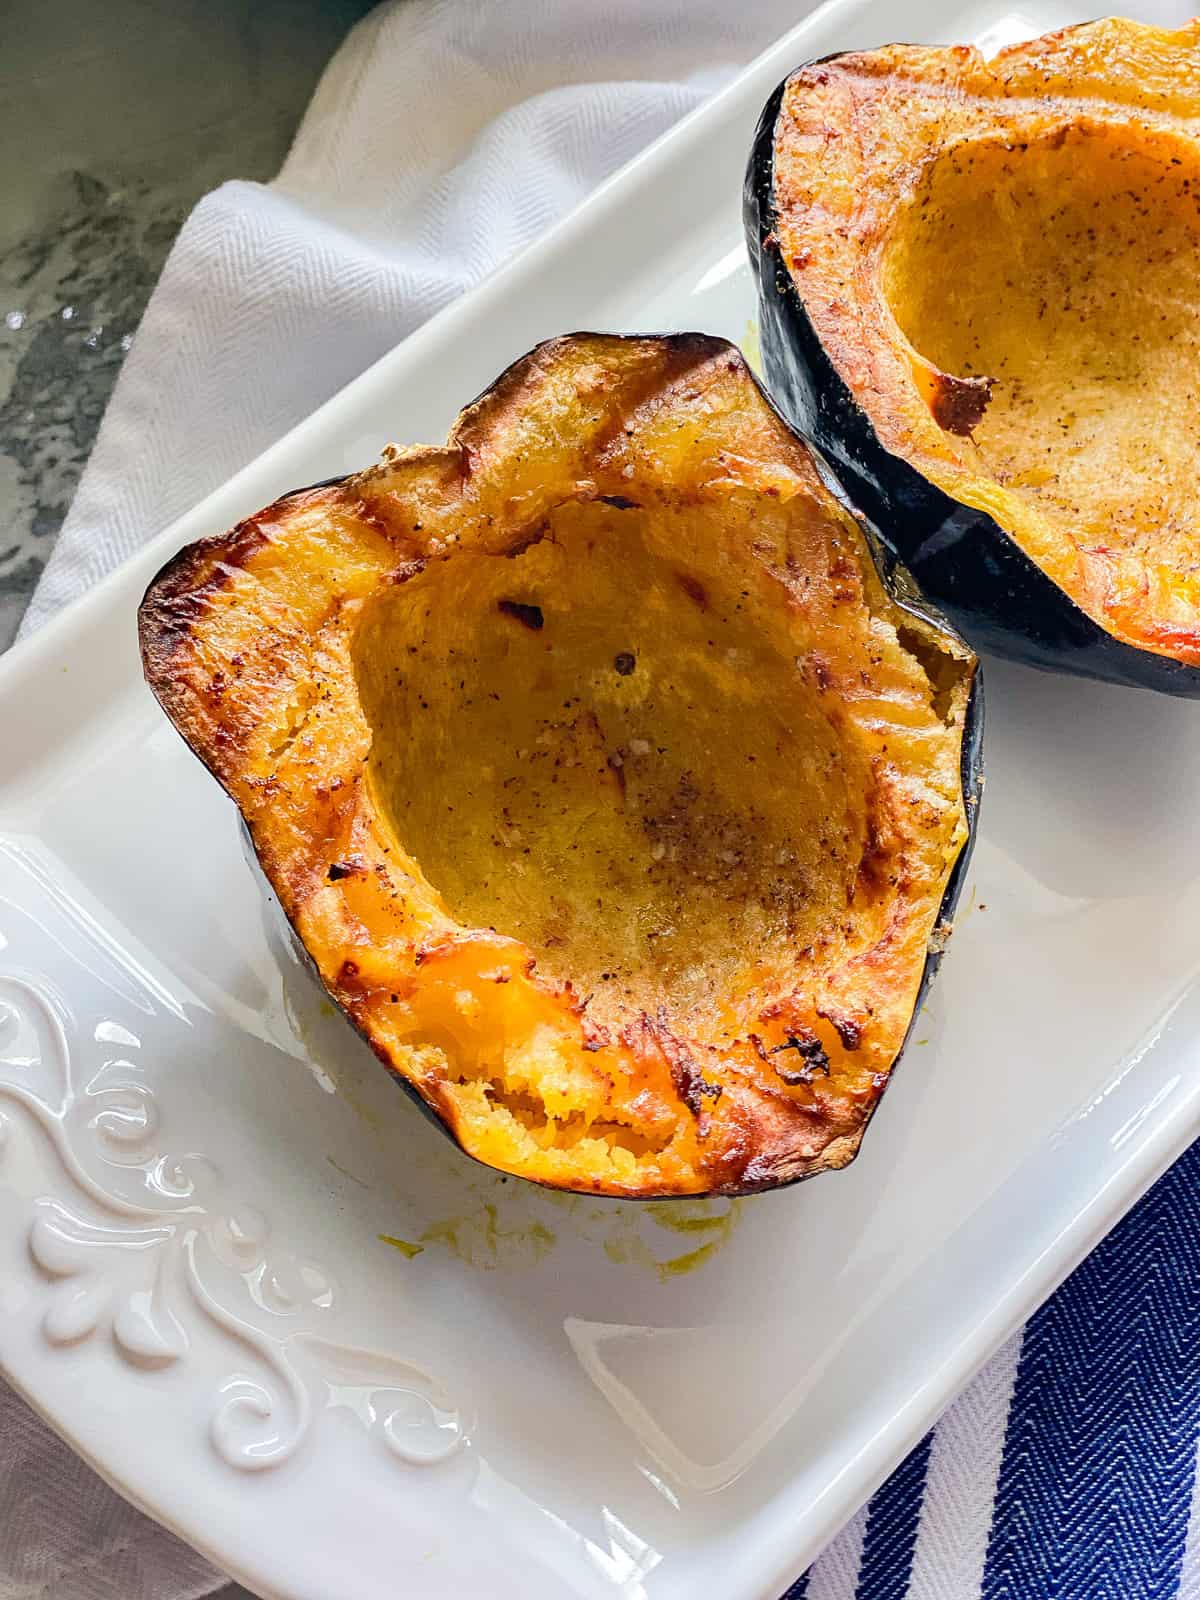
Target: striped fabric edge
[1070, 1468]
[1189, 1575]
[1097, 1485]
[924, 1535]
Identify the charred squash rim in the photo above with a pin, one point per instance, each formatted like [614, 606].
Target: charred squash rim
[1114, 74]
[222, 671]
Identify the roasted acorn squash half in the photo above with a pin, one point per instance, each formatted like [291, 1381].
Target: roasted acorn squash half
[980, 294]
[618, 795]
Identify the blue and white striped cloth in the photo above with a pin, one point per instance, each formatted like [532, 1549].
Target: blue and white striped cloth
[1068, 1469]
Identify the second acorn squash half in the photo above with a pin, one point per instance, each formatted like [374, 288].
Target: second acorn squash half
[618, 795]
[980, 289]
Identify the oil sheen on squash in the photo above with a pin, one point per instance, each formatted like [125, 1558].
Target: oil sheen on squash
[1066, 271]
[612, 791]
[993, 279]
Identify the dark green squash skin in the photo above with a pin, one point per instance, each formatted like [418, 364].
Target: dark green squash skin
[990, 589]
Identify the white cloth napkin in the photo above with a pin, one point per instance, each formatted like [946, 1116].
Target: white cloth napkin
[64, 1534]
[444, 136]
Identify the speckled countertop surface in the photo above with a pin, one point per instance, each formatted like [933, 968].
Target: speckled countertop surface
[114, 120]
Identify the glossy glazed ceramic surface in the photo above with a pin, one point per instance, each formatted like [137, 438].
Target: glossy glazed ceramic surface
[268, 1301]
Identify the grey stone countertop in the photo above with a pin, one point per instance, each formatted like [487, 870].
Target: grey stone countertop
[114, 119]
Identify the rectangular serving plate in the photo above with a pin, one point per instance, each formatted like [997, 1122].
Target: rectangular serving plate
[709, 1432]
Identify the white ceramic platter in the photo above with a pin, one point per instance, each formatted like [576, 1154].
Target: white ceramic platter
[197, 1160]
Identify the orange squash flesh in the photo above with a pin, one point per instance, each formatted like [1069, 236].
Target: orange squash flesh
[613, 795]
[1001, 260]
